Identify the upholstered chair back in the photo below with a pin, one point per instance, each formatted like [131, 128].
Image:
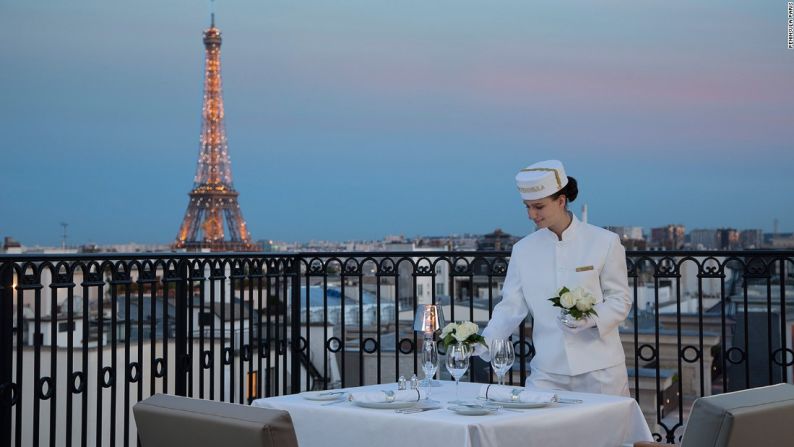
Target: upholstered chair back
[172, 421]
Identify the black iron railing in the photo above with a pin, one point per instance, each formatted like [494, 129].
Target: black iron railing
[84, 337]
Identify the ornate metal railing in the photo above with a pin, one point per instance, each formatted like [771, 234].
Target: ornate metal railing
[84, 337]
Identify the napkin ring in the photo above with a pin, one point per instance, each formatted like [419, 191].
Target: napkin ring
[514, 395]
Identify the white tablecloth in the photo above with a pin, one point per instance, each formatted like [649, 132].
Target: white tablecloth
[599, 421]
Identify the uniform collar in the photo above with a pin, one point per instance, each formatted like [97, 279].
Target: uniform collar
[572, 229]
[570, 232]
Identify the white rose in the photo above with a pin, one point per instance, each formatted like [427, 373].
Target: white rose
[586, 295]
[567, 300]
[464, 330]
[581, 300]
[447, 329]
[584, 304]
[471, 326]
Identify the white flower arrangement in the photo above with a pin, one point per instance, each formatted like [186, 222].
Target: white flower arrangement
[577, 303]
[465, 332]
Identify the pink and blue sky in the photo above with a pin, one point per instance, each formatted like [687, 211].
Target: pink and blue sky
[356, 119]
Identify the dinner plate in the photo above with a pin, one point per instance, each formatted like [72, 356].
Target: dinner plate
[323, 395]
[519, 404]
[470, 410]
[396, 405]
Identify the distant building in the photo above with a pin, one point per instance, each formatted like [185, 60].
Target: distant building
[626, 232]
[11, 246]
[631, 237]
[782, 241]
[496, 241]
[670, 237]
[703, 239]
[751, 238]
[394, 239]
[440, 242]
[727, 239]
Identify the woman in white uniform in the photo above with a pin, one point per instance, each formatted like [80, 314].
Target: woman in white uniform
[576, 355]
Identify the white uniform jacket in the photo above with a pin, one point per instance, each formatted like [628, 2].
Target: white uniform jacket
[587, 256]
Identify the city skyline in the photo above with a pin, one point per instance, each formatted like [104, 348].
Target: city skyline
[697, 235]
[354, 121]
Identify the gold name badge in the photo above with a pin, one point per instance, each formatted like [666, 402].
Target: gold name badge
[584, 269]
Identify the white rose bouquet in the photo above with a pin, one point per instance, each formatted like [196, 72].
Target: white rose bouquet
[577, 303]
[465, 332]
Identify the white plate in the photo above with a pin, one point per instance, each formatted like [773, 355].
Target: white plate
[470, 411]
[520, 404]
[323, 395]
[386, 405]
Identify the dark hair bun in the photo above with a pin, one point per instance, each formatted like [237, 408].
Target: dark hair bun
[571, 190]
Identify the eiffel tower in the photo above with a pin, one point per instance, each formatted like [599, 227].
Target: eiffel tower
[213, 200]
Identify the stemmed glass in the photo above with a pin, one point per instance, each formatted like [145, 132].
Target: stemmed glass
[502, 357]
[429, 363]
[457, 364]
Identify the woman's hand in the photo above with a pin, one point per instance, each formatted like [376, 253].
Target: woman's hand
[574, 326]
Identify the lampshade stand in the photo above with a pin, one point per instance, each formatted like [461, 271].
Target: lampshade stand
[428, 319]
[433, 382]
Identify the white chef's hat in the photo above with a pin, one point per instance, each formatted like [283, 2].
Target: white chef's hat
[541, 179]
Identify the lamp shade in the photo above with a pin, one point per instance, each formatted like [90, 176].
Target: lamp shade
[429, 318]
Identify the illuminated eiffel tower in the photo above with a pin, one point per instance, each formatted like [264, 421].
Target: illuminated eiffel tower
[213, 200]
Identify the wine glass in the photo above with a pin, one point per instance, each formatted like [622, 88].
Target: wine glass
[457, 364]
[429, 363]
[502, 357]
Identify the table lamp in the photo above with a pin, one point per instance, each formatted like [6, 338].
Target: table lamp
[429, 318]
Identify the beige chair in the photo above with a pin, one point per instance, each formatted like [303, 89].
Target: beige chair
[756, 417]
[167, 421]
